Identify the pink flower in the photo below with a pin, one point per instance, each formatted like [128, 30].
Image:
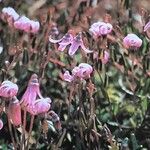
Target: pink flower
[75, 42]
[10, 12]
[14, 112]
[63, 42]
[132, 41]
[147, 26]
[31, 92]
[27, 25]
[105, 57]
[100, 28]
[83, 71]
[8, 89]
[39, 106]
[1, 124]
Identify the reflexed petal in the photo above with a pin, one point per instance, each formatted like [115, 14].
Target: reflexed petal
[67, 76]
[61, 47]
[85, 49]
[54, 41]
[147, 26]
[73, 48]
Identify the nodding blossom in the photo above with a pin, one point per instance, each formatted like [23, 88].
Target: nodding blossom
[147, 26]
[83, 71]
[27, 25]
[14, 112]
[31, 92]
[9, 12]
[39, 106]
[75, 42]
[105, 57]
[132, 41]
[8, 89]
[100, 28]
[1, 124]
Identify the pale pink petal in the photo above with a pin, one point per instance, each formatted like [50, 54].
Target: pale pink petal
[85, 49]
[73, 48]
[67, 76]
[147, 26]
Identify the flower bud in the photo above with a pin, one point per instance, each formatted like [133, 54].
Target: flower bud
[14, 112]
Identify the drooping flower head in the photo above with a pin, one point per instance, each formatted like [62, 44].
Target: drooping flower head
[27, 25]
[100, 28]
[1, 124]
[83, 71]
[8, 89]
[75, 42]
[31, 92]
[14, 112]
[39, 106]
[132, 41]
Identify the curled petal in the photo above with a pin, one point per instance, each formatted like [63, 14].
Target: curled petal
[67, 76]
[54, 41]
[1, 124]
[147, 26]
[85, 49]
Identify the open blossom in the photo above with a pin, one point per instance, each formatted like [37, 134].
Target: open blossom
[10, 12]
[14, 112]
[75, 42]
[105, 57]
[27, 25]
[8, 89]
[132, 41]
[39, 106]
[1, 124]
[83, 71]
[100, 28]
[31, 92]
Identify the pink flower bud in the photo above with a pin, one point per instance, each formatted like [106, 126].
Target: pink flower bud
[100, 28]
[39, 106]
[1, 124]
[31, 92]
[8, 89]
[67, 76]
[14, 112]
[105, 57]
[132, 41]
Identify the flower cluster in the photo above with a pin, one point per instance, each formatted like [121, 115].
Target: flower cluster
[83, 71]
[69, 39]
[19, 22]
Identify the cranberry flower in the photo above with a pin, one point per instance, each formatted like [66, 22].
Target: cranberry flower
[132, 41]
[14, 112]
[39, 106]
[27, 25]
[75, 42]
[83, 71]
[100, 28]
[8, 89]
[31, 92]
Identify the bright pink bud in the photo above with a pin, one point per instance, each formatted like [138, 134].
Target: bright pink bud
[132, 41]
[31, 92]
[100, 28]
[8, 89]
[14, 112]
[105, 57]
[1, 124]
[39, 106]
[83, 71]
